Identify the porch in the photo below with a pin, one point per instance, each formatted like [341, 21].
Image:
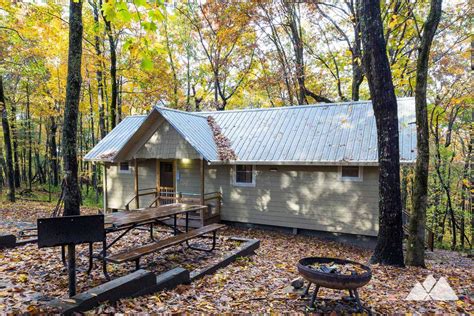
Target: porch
[140, 183]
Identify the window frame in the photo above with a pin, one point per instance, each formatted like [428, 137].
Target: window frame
[119, 166]
[243, 184]
[359, 178]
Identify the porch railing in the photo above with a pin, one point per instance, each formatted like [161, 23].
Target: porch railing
[213, 201]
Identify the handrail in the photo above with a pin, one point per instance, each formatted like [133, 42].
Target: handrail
[181, 197]
[127, 206]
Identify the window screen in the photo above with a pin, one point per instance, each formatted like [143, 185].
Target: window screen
[124, 166]
[350, 172]
[243, 174]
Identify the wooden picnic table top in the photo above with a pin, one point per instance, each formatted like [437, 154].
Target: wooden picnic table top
[121, 219]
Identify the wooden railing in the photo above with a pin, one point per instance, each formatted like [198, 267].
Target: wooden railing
[136, 198]
[211, 199]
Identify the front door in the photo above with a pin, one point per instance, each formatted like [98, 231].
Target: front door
[167, 188]
[166, 174]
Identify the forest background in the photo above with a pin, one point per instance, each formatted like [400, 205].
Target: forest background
[218, 55]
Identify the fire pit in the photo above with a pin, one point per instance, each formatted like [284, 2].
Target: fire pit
[336, 274]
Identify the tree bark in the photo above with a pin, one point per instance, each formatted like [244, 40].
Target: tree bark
[295, 30]
[99, 73]
[14, 136]
[53, 151]
[113, 73]
[8, 146]
[389, 242]
[416, 239]
[72, 197]
[28, 132]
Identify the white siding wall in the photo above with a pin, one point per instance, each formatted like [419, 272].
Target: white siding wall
[166, 143]
[300, 197]
[121, 186]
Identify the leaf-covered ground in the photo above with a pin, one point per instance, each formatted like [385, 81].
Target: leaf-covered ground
[29, 277]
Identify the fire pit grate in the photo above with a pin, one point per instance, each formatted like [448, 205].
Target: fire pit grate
[336, 274]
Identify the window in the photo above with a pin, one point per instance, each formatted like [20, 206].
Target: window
[350, 173]
[124, 167]
[244, 175]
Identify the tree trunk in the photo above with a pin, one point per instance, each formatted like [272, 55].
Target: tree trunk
[94, 167]
[39, 167]
[8, 146]
[119, 101]
[113, 73]
[14, 137]
[416, 238]
[389, 242]
[98, 73]
[357, 71]
[72, 197]
[28, 131]
[53, 152]
[297, 41]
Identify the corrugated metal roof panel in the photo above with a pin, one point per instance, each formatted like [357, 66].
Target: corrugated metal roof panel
[332, 133]
[194, 129]
[111, 144]
[320, 134]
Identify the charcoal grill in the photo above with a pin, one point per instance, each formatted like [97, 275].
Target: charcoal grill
[333, 280]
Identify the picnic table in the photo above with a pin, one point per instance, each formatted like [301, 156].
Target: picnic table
[125, 221]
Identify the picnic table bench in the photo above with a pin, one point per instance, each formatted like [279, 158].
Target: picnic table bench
[125, 221]
[134, 254]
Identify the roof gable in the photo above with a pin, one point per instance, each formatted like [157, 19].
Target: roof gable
[166, 143]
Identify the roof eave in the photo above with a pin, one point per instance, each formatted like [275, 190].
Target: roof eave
[302, 163]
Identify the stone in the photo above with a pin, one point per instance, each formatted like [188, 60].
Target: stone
[297, 283]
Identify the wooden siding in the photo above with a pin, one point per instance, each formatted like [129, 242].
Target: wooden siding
[166, 143]
[307, 197]
[121, 186]
[189, 176]
[300, 197]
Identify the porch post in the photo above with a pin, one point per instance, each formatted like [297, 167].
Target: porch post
[202, 181]
[137, 198]
[157, 166]
[104, 185]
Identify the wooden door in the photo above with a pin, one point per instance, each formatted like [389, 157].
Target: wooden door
[167, 184]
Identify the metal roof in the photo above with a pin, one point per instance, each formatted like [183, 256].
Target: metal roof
[324, 134]
[110, 145]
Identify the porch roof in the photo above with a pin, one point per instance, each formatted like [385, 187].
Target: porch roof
[320, 134]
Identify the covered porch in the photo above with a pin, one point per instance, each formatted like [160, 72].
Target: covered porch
[151, 182]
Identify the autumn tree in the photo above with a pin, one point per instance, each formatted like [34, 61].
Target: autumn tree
[72, 195]
[389, 242]
[416, 239]
[224, 33]
[8, 147]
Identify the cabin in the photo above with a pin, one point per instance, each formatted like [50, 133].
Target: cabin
[311, 167]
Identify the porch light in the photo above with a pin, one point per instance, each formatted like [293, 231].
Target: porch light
[186, 161]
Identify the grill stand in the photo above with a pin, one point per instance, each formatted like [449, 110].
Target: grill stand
[353, 294]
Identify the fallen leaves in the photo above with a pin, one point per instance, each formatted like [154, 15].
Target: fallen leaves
[256, 284]
[224, 149]
[331, 267]
[22, 278]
